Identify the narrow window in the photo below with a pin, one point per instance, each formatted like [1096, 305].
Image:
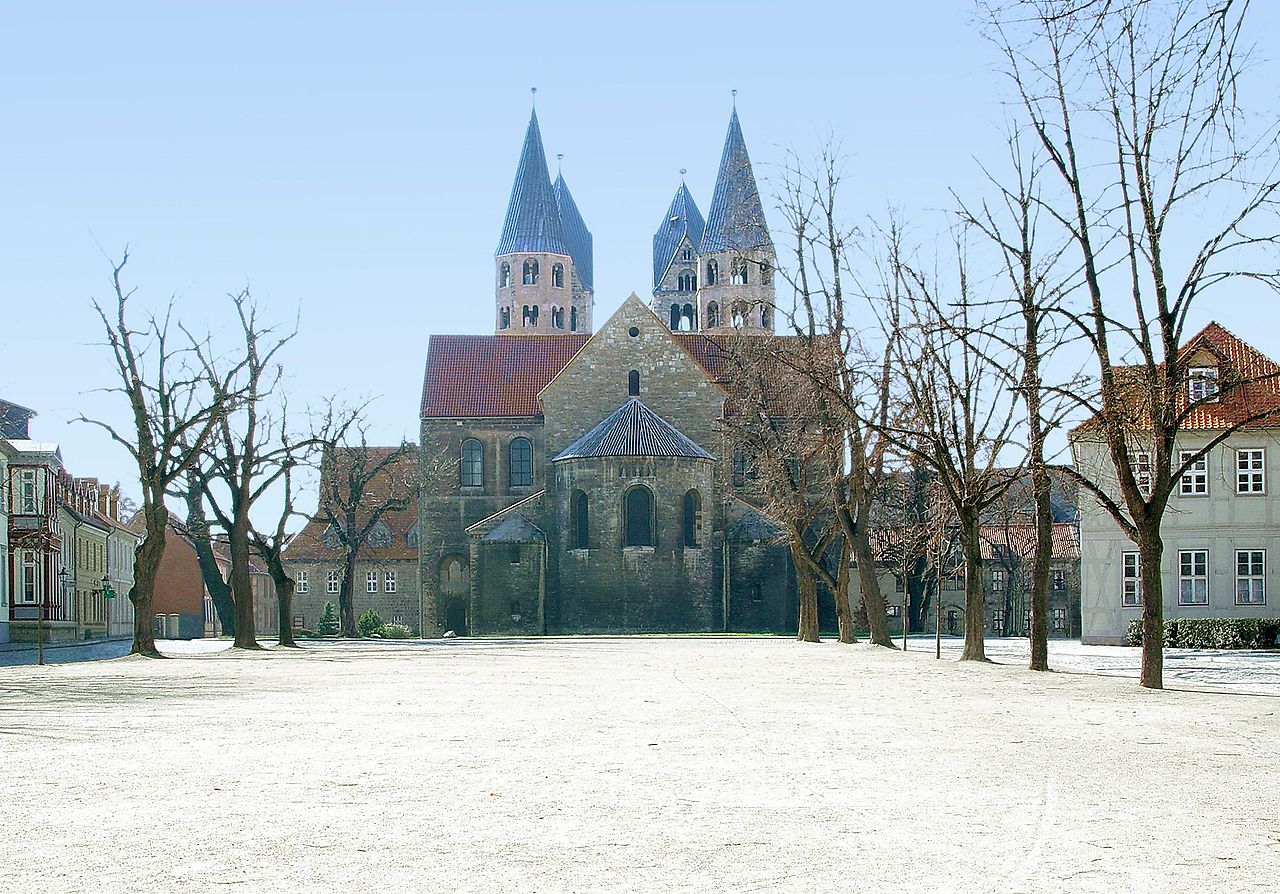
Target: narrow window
[1140, 462]
[766, 317]
[633, 383]
[1058, 581]
[533, 315]
[581, 521]
[1202, 384]
[1193, 577]
[1250, 468]
[331, 582]
[766, 273]
[29, 590]
[1059, 620]
[713, 315]
[997, 620]
[738, 273]
[504, 318]
[639, 517]
[300, 583]
[1251, 580]
[686, 324]
[692, 518]
[739, 468]
[521, 463]
[687, 254]
[573, 319]
[371, 582]
[557, 276]
[531, 272]
[997, 580]
[712, 271]
[739, 317]
[504, 275]
[675, 317]
[472, 470]
[513, 554]
[1194, 481]
[389, 582]
[1131, 594]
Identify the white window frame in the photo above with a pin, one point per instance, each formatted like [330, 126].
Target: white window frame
[1130, 580]
[332, 582]
[29, 574]
[997, 620]
[1202, 383]
[1193, 577]
[1194, 481]
[1059, 619]
[389, 582]
[1251, 577]
[1140, 462]
[371, 582]
[300, 583]
[28, 497]
[1251, 470]
[998, 578]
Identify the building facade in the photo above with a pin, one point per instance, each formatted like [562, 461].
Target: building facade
[575, 479]
[1221, 531]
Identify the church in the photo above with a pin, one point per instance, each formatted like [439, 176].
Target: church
[579, 479]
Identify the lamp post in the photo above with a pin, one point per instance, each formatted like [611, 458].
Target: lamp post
[63, 576]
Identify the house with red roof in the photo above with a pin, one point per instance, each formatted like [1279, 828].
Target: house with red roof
[1221, 531]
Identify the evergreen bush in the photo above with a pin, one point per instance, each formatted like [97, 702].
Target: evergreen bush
[369, 623]
[328, 623]
[395, 631]
[1212, 633]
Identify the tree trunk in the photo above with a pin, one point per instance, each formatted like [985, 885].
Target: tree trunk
[848, 631]
[1039, 634]
[1150, 557]
[242, 583]
[146, 564]
[872, 599]
[346, 601]
[219, 590]
[284, 607]
[975, 616]
[807, 586]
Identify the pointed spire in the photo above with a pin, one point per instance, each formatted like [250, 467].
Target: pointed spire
[533, 221]
[683, 219]
[736, 219]
[576, 235]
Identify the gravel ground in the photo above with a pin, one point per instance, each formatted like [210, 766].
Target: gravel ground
[626, 765]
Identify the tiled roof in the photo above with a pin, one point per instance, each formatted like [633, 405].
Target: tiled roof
[1020, 539]
[533, 220]
[683, 219]
[575, 233]
[736, 218]
[634, 430]
[399, 478]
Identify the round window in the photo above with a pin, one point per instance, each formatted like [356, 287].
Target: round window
[633, 331]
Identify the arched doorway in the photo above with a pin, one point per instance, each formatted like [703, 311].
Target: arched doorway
[454, 591]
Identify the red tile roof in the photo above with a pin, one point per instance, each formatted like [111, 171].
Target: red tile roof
[502, 375]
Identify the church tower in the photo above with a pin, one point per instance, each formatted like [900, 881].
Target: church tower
[675, 263]
[736, 259]
[581, 248]
[540, 291]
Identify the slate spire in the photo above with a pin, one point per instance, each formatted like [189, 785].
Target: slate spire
[683, 219]
[575, 232]
[736, 219]
[533, 220]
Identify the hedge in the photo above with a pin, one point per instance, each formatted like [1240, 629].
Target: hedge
[1212, 633]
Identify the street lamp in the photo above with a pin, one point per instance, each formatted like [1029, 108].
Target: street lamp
[63, 576]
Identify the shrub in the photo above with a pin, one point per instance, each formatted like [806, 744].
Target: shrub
[328, 623]
[395, 631]
[369, 623]
[1213, 633]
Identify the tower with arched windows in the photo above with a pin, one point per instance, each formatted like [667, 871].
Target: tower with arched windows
[736, 259]
[675, 264]
[543, 263]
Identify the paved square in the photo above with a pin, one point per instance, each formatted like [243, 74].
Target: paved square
[642, 764]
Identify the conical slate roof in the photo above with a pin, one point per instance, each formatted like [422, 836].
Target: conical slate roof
[683, 219]
[736, 219]
[533, 220]
[634, 430]
[575, 232]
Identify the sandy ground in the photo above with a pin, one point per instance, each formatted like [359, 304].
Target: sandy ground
[627, 765]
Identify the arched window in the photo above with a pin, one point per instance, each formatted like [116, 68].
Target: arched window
[530, 315]
[504, 275]
[692, 518]
[504, 318]
[638, 513]
[687, 324]
[557, 276]
[766, 273]
[520, 473]
[739, 317]
[766, 317]
[712, 270]
[686, 282]
[581, 522]
[557, 318]
[531, 272]
[573, 319]
[633, 383]
[472, 467]
[687, 254]
[713, 315]
[675, 317]
[738, 273]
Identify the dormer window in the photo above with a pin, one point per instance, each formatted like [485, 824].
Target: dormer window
[1202, 384]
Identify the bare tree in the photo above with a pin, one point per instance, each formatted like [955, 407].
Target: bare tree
[1137, 108]
[174, 404]
[202, 541]
[359, 484]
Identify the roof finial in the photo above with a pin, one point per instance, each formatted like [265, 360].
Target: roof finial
[559, 159]
[683, 171]
[734, 93]
[533, 91]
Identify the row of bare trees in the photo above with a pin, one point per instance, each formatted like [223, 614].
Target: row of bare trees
[1138, 179]
[211, 431]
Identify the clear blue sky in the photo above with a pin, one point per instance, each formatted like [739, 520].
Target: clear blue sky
[354, 160]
